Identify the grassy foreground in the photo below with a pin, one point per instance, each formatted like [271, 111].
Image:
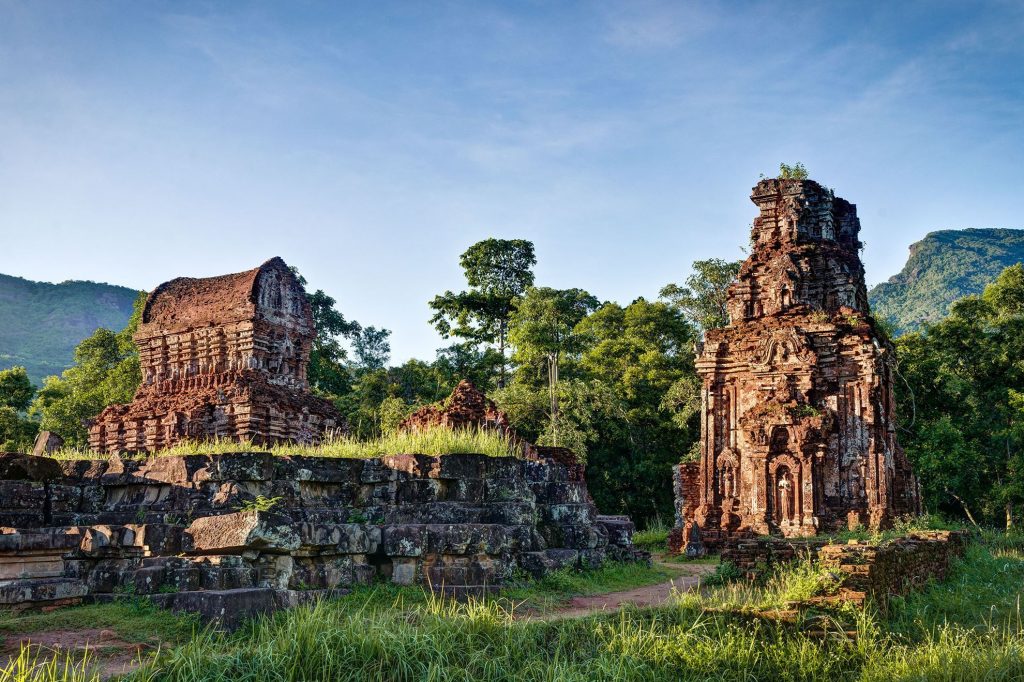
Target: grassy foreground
[967, 628]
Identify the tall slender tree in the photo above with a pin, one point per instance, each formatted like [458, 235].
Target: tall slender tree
[498, 272]
[543, 329]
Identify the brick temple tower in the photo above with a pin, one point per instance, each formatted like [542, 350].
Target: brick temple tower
[797, 429]
[221, 357]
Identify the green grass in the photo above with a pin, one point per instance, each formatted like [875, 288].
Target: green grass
[653, 538]
[136, 620]
[967, 628]
[560, 586]
[434, 441]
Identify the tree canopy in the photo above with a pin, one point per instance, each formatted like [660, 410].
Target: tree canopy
[963, 402]
[498, 272]
[704, 296]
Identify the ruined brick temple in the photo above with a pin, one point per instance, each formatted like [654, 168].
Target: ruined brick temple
[222, 357]
[233, 535]
[797, 429]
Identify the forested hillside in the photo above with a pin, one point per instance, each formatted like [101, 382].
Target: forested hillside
[41, 323]
[943, 267]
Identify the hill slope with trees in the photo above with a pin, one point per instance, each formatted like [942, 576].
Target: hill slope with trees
[943, 267]
[41, 323]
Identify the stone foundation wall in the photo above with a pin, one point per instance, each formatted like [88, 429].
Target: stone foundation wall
[897, 567]
[198, 532]
[865, 571]
[755, 555]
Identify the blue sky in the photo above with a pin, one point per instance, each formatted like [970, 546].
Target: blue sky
[369, 143]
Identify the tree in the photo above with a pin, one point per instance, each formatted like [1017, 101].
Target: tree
[372, 348]
[16, 389]
[327, 372]
[641, 354]
[498, 272]
[464, 361]
[543, 329]
[106, 371]
[962, 404]
[704, 297]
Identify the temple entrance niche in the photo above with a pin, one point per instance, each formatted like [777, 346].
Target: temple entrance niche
[728, 472]
[785, 494]
[784, 476]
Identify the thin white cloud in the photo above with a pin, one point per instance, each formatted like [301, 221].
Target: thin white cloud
[652, 25]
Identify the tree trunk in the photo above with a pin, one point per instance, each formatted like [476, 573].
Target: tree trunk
[501, 351]
[553, 394]
[967, 511]
[1009, 516]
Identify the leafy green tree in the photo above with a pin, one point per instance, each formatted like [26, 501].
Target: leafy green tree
[498, 272]
[961, 402]
[465, 361]
[16, 389]
[106, 371]
[392, 411]
[327, 372]
[372, 348]
[543, 330]
[641, 355]
[704, 296]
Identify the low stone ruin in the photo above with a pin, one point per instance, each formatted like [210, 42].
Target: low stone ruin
[797, 432]
[222, 358]
[231, 535]
[863, 570]
[466, 408]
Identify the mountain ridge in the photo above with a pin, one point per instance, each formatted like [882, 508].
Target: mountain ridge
[41, 322]
[942, 267]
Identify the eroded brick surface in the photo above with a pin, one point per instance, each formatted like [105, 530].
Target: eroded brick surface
[797, 435]
[222, 357]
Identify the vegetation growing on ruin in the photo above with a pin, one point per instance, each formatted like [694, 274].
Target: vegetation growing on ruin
[432, 441]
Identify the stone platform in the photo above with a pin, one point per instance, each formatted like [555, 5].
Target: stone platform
[232, 535]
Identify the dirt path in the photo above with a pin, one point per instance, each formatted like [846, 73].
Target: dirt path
[652, 595]
[108, 654]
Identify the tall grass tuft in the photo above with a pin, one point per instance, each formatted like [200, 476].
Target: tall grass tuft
[33, 664]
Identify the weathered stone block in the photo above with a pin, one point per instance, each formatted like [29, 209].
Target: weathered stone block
[15, 466]
[20, 495]
[404, 541]
[461, 467]
[262, 531]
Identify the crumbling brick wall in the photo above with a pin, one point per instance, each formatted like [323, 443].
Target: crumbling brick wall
[897, 567]
[863, 570]
[797, 432]
[221, 357]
